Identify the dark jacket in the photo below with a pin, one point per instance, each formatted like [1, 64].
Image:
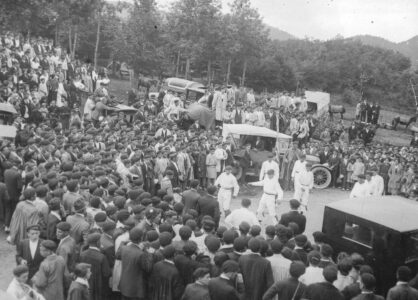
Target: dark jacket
[368, 297]
[196, 291]
[222, 289]
[165, 282]
[190, 199]
[135, 265]
[23, 252]
[296, 217]
[208, 206]
[322, 291]
[402, 292]
[13, 181]
[288, 289]
[257, 274]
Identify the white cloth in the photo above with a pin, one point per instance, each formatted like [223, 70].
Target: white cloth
[220, 155]
[377, 185]
[269, 165]
[241, 215]
[32, 247]
[312, 275]
[229, 187]
[303, 185]
[359, 190]
[280, 266]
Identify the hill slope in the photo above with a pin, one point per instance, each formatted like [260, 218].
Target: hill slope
[278, 34]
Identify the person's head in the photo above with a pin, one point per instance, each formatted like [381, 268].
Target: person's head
[297, 269]
[345, 266]
[194, 184]
[228, 170]
[63, 230]
[169, 174]
[202, 275]
[302, 157]
[276, 246]
[230, 268]
[185, 233]
[403, 273]
[211, 190]
[82, 270]
[93, 239]
[367, 282]
[246, 202]
[135, 235]
[33, 232]
[326, 251]
[21, 273]
[361, 178]
[47, 248]
[314, 257]
[294, 204]
[330, 273]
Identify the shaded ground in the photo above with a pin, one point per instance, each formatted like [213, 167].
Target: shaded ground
[318, 200]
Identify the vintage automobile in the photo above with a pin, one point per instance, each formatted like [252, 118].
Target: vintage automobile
[321, 172]
[382, 229]
[318, 103]
[192, 90]
[7, 113]
[242, 134]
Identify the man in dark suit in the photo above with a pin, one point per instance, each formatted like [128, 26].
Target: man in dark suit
[256, 271]
[136, 263]
[294, 216]
[100, 270]
[245, 163]
[324, 155]
[107, 244]
[402, 290]
[79, 225]
[223, 287]
[172, 165]
[208, 205]
[352, 132]
[191, 196]
[67, 246]
[324, 290]
[27, 251]
[367, 135]
[54, 217]
[4, 198]
[13, 181]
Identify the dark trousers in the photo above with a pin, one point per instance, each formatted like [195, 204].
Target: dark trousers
[9, 208]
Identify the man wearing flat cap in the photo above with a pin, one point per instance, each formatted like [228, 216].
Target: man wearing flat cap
[67, 246]
[28, 250]
[53, 275]
[100, 269]
[79, 225]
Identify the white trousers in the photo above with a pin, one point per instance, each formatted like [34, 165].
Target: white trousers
[224, 199]
[301, 194]
[268, 201]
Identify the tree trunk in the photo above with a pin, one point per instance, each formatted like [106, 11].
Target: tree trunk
[75, 42]
[187, 69]
[56, 33]
[209, 71]
[178, 64]
[70, 39]
[96, 48]
[228, 71]
[244, 70]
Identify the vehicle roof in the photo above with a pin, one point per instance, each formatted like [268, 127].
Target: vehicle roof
[125, 108]
[5, 107]
[180, 84]
[394, 212]
[320, 98]
[8, 131]
[245, 129]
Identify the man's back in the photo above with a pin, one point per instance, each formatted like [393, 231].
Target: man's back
[322, 291]
[190, 198]
[402, 291]
[222, 289]
[257, 275]
[296, 217]
[208, 205]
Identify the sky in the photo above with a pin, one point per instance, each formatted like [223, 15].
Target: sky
[394, 20]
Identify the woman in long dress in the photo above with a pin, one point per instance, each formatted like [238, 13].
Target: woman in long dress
[211, 162]
[395, 175]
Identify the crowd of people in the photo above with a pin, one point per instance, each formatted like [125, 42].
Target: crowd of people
[109, 206]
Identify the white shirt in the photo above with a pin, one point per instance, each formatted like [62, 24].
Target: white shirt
[280, 267]
[270, 186]
[298, 168]
[32, 247]
[269, 165]
[312, 275]
[377, 185]
[228, 182]
[306, 179]
[359, 190]
[241, 215]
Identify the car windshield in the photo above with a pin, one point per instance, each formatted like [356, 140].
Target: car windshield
[412, 248]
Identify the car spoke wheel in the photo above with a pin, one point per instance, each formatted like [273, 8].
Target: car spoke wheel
[322, 177]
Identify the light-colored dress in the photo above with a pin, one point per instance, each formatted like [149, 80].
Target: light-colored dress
[211, 162]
